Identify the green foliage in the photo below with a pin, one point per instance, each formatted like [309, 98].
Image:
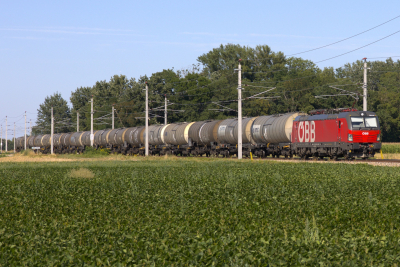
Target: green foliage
[61, 114]
[391, 148]
[27, 152]
[80, 103]
[181, 212]
[208, 90]
[10, 144]
[93, 152]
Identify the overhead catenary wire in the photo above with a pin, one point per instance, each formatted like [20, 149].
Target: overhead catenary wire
[317, 48]
[359, 47]
[382, 57]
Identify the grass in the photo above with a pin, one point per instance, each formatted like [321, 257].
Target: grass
[391, 148]
[81, 173]
[198, 212]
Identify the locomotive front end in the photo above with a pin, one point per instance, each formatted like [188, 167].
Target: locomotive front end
[364, 135]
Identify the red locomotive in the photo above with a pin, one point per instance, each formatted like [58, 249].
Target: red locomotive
[346, 134]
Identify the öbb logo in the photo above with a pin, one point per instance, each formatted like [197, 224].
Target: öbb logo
[306, 131]
[365, 133]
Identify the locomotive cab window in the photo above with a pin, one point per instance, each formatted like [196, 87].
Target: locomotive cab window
[363, 122]
[371, 122]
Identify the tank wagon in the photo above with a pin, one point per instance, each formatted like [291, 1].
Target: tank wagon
[346, 134]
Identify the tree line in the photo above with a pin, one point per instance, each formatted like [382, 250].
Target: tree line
[272, 83]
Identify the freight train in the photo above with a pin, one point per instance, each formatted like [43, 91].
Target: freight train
[347, 133]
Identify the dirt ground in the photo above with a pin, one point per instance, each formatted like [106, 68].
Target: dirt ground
[60, 158]
[74, 158]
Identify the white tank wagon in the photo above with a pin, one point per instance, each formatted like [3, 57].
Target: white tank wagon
[176, 139]
[76, 145]
[134, 140]
[228, 132]
[203, 137]
[116, 140]
[272, 134]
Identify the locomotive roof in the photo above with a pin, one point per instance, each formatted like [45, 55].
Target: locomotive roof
[335, 116]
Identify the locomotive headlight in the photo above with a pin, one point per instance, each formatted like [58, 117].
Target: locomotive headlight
[378, 138]
[350, 138]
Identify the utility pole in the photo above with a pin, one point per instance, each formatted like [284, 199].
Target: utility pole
[14, 137]
[147, 122]
[113, 116]
[1, 140]
[91, 124]
[165, 110]
[240, 111]
[6, 135]
[25, 133]
[52, 130]
[77, 121]
[365, 86]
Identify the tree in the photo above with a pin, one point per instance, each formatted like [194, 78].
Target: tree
[61, 113]
[210, 92]
[80, 103]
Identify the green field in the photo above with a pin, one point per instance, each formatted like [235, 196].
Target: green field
[392, 148]
[194, 212]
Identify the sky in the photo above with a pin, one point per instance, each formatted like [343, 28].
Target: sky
[59, 46]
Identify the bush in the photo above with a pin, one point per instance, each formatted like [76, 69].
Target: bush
[28, 152]
[391, 148]
[93, 152]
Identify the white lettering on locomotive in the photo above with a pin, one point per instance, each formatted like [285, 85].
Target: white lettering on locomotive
[306, 131]
[312, 131]
[301, 131]
[365, 133]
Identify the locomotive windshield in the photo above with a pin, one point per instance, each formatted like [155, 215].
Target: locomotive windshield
[364, 122]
